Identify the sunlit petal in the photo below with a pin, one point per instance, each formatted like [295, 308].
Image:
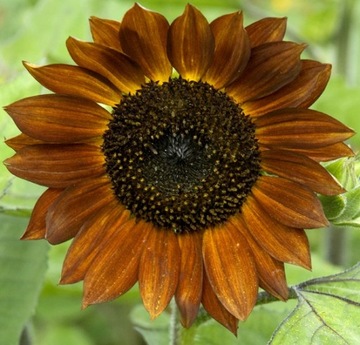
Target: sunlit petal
[289, 203]
[214, 307]
[59, 119]
[191, 44]
[266, 30]
[301, 92]
[37, 223]
[117, 261]
[93, 235]
[300, 128]
[118, 68]
[191, 274]
[232, 50]
[75, 206]
[143, 36]
[159, 274]
[105, 32]
[232, 275]
[271, 66]
[300, 168]
[57, 166]
[76, 81]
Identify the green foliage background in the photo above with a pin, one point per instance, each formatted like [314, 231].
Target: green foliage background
[30, 299]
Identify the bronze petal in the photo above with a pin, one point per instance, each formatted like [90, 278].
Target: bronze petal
[191, 44]
[36, 228]
[189, 290]
[118, 68]
[93, 235]
[75, 81]
[159, 270]
[282, 242]
[105, 32]
[289, 202]
[270, 271]
[143, 36]
[299, 128]
[115, 269]
[76, 205]
[213, 306]
[271, 66]
[326, 153]
[56, 166]
[301, 169]
[231, 269]
[303, 90]
[232, 50]
[266, 30]
[58, 118]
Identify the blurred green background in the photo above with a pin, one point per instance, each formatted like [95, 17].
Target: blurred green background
[35, 31]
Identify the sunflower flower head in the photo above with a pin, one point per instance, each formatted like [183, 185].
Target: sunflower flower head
[182, 157]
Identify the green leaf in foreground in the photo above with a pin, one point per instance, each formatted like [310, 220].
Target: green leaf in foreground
[23, 265]
[328, 312]
[155, 332]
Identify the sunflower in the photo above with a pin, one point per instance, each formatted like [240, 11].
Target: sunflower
[180, 156]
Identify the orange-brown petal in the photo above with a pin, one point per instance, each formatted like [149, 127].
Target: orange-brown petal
[232, 50]
[58, 118]
[320, 84]
[271, 274]
[105, 32]
[299, 128]
[326, 153]
[159, 270]
[36, 228]
[214, 307]
[191, 44]
[96, 231]
[22, 140]
[266, 30]
[304, 90]
[270, 271]
[231, 269]
[289, 202]
[75, 81]
[189, 289]
[143, 36]
[282, 242]
[115, 268]
[271, 66]
[118, 68]
[56, 166]
[76, 205]
[301, 169]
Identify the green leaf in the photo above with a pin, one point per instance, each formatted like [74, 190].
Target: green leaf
[328, 312]
[256, 330]
[344, 209]
[155, 332]
[23, 265]
[60, 335]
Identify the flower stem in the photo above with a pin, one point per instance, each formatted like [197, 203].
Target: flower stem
[265, 298]
[343, 39]
[262, 298]
[174, 324]
[336, 245]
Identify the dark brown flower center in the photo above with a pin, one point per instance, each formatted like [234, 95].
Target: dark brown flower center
[181, 155]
